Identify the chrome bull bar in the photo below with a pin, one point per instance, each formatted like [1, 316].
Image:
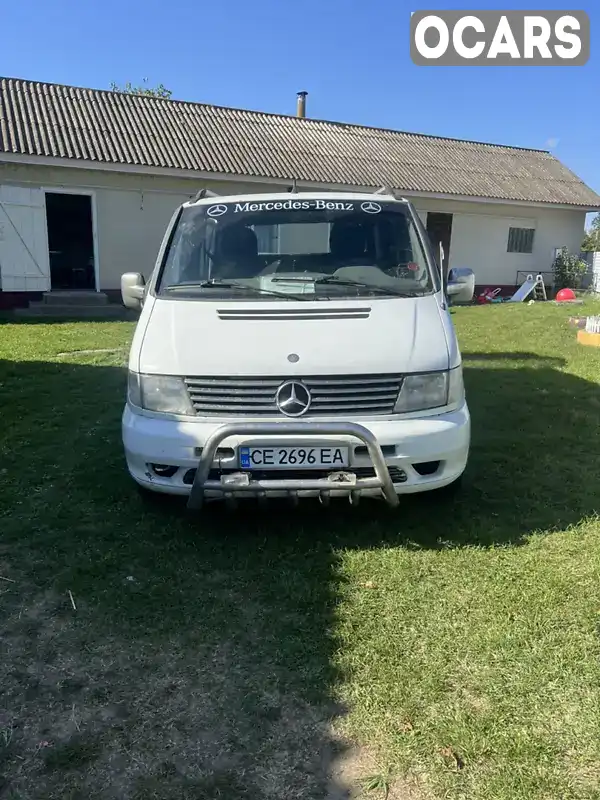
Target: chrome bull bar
[229, 489]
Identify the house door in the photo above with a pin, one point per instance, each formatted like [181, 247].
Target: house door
[70, 241]
[439, 228]
[24, 263]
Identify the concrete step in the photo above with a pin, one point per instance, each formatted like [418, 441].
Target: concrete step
[75, 298]
[110, 311]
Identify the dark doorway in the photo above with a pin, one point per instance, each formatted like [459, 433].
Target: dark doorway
[70, 241]
[439, 228]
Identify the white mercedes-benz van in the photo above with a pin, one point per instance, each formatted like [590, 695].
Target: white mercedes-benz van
[295, 344]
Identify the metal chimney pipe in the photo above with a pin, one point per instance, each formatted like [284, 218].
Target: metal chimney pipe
[301, 106]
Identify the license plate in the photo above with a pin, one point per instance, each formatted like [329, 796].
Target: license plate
[293, 457]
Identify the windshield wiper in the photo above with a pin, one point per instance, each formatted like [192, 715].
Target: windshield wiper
[222, 284]
[331, 279]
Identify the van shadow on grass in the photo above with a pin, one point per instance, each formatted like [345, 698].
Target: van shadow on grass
[195, 656]
[118, 313]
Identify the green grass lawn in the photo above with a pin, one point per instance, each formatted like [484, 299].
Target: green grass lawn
[449, 649]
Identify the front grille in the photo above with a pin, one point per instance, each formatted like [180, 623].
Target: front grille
[344, 395]
[396, 474]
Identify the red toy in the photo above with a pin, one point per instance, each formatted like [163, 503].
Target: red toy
[565, 295]
[488, 296]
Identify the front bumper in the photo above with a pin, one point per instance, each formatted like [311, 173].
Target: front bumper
[389, 457]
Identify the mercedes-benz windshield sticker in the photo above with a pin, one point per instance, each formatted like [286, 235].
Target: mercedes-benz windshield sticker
[369, 206]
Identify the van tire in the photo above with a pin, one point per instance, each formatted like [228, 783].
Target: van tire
[160, 501]
[148, 496]
[451, 490]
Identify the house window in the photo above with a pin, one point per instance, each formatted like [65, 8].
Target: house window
[268, 238]
[520, 240]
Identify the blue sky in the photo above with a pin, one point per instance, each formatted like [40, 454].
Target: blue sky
[351, 56]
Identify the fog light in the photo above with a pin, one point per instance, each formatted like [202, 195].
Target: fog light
[164, 470]
[427, 467]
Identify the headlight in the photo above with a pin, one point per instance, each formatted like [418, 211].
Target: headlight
[456, 387]
[134, 393]
[432, 390]
[160, 393]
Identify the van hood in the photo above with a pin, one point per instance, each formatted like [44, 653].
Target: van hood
[361, 336]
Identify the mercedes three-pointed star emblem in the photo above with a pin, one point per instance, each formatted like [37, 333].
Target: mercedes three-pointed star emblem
[371, 208]
[217, 211]
[293, 399]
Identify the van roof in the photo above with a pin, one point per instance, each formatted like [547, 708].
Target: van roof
[281, 196]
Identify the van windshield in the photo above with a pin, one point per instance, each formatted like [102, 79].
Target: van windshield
[297, 248]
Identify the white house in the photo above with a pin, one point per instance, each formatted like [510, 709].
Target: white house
[89, 180]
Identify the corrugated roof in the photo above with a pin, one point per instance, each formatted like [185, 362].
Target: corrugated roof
[42, 119]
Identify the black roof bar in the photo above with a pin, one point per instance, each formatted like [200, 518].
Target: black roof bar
[388, 190]
[204, 193]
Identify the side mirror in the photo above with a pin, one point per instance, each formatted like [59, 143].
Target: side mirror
[133, 290]
[461, 285]
[443, 273]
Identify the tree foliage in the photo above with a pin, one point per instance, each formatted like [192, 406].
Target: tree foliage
[152, 91]
[568, 270]
[591, 240]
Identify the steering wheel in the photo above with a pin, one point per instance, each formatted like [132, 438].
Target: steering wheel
[402, 270]
[285, 263]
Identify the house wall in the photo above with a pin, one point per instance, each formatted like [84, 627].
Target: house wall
[480, 237]
[132, 212]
